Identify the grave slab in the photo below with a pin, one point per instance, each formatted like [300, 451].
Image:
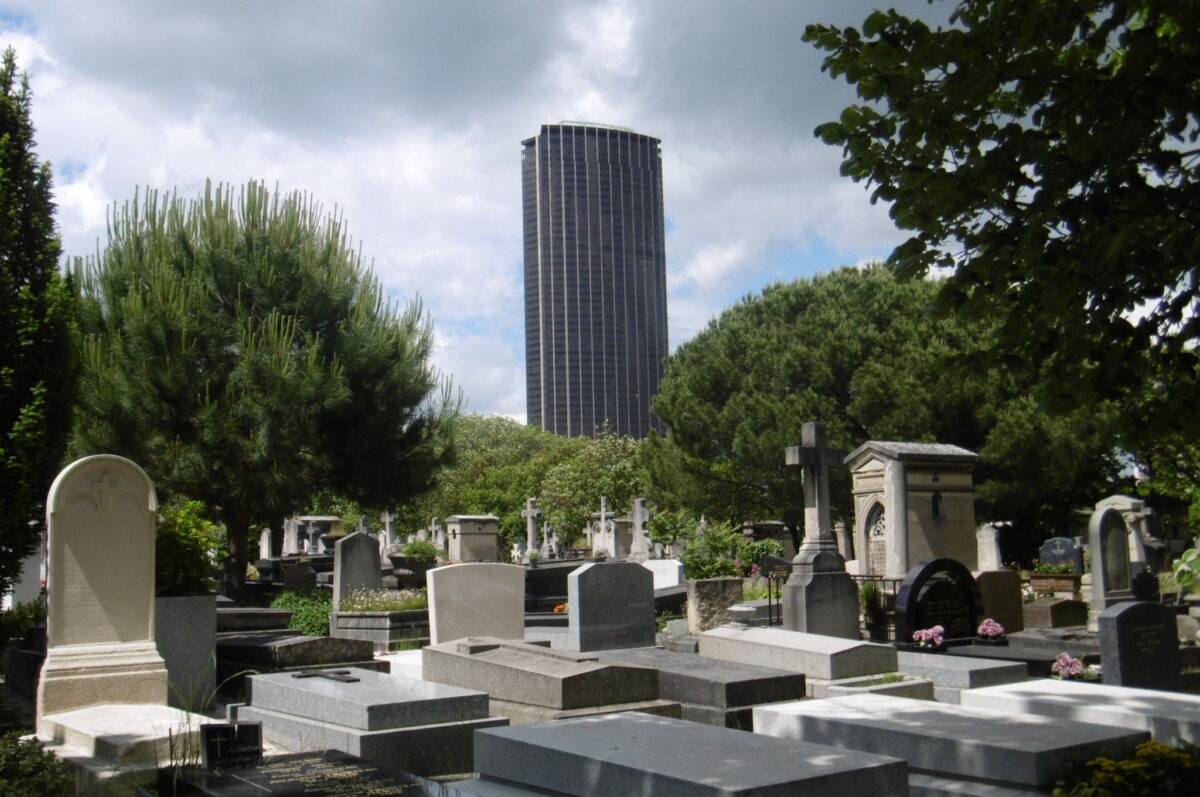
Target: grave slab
[814, 655]
[421, 727]
[1168, 716]
[538, 676]
[625, 754]
[952, 674]
[1012, 750]
[715, 692]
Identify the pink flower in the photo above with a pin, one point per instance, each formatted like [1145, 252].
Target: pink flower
[929, 637]
[990, 628]
[1067, 667]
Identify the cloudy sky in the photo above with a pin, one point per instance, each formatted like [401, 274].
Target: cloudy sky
[409, 116]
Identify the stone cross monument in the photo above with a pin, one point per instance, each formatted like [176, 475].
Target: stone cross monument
[639, 519]
[820, 597]
[531, 514]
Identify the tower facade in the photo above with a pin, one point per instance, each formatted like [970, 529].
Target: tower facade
[595, 278]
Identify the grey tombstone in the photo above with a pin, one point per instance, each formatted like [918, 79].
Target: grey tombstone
[820, 597]
[1138, 646]
[1062, 551]
[610, 605]
[476, 599]
[355, 565]
[1002, 601]
[639, 518]
[708, 601]
[987, 547]
[1111, 582]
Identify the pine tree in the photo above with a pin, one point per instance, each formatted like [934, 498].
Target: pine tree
[238, 349]
[37, 364]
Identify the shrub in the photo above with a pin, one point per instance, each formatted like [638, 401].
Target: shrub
[27, 770]
[184, 545]
[1154, 769]
[421, 550]
[310, 610]
[384, 600]
[757, 550]
[15, 622]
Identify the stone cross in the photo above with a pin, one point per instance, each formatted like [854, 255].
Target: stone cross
[531, 514]
[100, 490]
[341, 676]
[640, 518]
[815, 456]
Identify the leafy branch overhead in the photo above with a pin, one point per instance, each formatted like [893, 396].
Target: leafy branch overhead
[1046, 154]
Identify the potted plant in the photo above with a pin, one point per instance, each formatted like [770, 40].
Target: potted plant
[990, 633]
[871, 598]
[413, 560]
[533, 558]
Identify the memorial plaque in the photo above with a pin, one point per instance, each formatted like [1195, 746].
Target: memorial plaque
[938, 592]
[224, 744]
[330, 773]
[1139, 646]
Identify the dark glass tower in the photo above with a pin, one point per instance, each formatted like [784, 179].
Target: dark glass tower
[595, 278]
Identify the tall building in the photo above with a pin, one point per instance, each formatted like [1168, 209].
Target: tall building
[595, 278]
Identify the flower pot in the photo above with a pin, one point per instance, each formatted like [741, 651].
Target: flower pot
[1055, 582]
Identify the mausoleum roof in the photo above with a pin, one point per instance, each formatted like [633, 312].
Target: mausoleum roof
[913, 452]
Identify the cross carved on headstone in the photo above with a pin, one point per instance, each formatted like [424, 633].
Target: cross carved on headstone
[101, 489]
[815, 457]
[341, 676]
[531, 513]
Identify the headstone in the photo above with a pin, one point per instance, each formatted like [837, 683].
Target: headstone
[820, 597]
[225, 744]
[472, 538]
[1144, 546]
[637, 754]
[1138, 646]
[1062, 551]
[481, 599]
[531, 683]
[421, 727]
[355, 566]
[298, 578]
[639, 520]
[610, 605]
[984, 748]
[264, 544]
[291, 536]
[1002, 599]
[1107, 541]
[667, 572]
[938, 592]
[708, 601]
[912, 501]
[100, 589]
[1055, 613]
[531, 514]
[987, 546]
[1170, 717]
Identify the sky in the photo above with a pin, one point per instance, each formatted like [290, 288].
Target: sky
[407, 118]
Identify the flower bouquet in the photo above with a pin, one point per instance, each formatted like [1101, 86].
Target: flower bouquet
[990, 633]
[930, 639]
[1069, 668]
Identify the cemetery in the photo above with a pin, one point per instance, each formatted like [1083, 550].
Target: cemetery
[479, 690]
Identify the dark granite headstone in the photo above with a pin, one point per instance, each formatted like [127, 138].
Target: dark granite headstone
[1145, 586]
[1139, 646]
[330, 773]
[224, 744]
[1062, 551]
[938, 592]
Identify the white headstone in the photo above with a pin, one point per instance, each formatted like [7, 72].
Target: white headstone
[639, 520]
[987, 544]
[264, 544]
[667, 572]
[101, 514]
[480, 599]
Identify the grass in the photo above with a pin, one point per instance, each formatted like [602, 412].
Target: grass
[883, 680]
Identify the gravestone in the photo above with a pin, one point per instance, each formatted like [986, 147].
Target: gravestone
[639, 540]
[938, 592]
[1002, 599]
[820, 597]
[638, 754]
[355, 566]
[667, 572]
[1107, 539]
[708, 602]
[472, 538]
[1055, 613]
[419, 726]
[479, 599]
[225, 744]
[1138, 646]
[1062, 551]
[297, 577]
[264, 544]
[531, 514]
[989, 555]
[291, 536]
[100, 589]
[610, 605]
[818, 656]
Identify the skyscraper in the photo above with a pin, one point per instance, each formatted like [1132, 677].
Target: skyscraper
[595, 278]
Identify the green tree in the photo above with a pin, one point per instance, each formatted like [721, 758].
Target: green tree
[498, 464]
[854, 349]
[237, 347]
[608, 466]
[38, 364]
[1045, 154]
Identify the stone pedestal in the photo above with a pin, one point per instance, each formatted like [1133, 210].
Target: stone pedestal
[820, 597]
[85, 675]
